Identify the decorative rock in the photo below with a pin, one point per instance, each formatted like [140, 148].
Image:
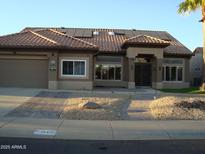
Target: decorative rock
[89, 105]
[195, 104]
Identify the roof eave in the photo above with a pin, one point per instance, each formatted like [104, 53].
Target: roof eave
[49, 48]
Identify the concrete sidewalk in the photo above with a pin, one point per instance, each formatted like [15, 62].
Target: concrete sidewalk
[101, 130]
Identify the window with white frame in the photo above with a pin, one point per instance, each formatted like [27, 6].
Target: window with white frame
[73, 68]
[108, 71]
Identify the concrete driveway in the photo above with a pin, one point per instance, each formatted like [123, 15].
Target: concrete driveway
[31, 103]
[10, 98]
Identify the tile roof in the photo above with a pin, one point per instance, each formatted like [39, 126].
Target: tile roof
[83, 37]
[145, 40]
[46, 38]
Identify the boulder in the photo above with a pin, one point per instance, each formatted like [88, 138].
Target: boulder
[89, 105]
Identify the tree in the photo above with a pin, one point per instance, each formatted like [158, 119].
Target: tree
[192, 5]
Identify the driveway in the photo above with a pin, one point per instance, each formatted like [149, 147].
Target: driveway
[42, 103]
[10, 98]
[32, 103]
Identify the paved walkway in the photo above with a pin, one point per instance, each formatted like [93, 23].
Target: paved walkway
[101, 130]
[139, 110]
[139, 107]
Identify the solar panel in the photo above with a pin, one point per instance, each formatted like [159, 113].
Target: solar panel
[119, 32]
[78, 33]
[129, 33]
[70, 32]
[88, 33]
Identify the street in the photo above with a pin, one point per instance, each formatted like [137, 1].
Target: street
[38, 146]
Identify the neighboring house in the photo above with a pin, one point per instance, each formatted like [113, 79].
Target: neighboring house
[83, 58]
[196, 67]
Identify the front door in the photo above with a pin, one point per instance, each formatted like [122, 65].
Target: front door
[143, 74]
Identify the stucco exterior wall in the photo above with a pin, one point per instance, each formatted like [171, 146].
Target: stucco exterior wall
[56, 81]
[103, 83]
[63, 82]
[196, 68]
[133, 52]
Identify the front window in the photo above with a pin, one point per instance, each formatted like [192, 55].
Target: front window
[73, 68]
[172, 69]
[108, 72]
[172, 73]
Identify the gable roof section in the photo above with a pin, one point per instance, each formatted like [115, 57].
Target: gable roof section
[145, 40]
[46, 38]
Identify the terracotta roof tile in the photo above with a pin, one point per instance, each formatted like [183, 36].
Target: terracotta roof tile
[145, 40]
[46, 38]
[105, 43]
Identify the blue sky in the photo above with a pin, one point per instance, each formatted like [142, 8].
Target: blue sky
[152, 15]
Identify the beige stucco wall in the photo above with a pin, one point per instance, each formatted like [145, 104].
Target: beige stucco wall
[104, 83]
[132, 52]
[75, 85]
[57, 81]
[196, 67]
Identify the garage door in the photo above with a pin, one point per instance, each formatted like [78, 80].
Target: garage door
[24, 73]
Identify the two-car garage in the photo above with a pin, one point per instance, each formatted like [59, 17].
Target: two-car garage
[25, 73]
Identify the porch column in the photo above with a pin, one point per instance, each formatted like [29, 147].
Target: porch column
[131, 68]
[52, 71]
[157, 74]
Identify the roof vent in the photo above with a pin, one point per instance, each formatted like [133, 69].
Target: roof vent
[111, 33]
[96, 33]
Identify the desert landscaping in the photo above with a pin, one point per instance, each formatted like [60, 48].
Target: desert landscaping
[62, 105]
[94, 108]
[178, 108]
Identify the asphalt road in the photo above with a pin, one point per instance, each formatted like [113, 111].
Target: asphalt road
[38, 146]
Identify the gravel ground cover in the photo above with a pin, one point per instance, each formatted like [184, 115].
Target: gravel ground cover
[111, 109]
[178, 108]
[67, 106]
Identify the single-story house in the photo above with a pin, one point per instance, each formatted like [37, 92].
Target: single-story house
[83, 58]
[196, 67]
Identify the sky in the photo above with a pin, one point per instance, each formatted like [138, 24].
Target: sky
[129, 14]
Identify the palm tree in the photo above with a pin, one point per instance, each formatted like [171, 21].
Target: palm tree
[191, 5]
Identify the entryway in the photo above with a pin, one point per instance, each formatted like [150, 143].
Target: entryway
[143, 74]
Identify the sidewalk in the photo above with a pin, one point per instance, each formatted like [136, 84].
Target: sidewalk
[101, 130]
